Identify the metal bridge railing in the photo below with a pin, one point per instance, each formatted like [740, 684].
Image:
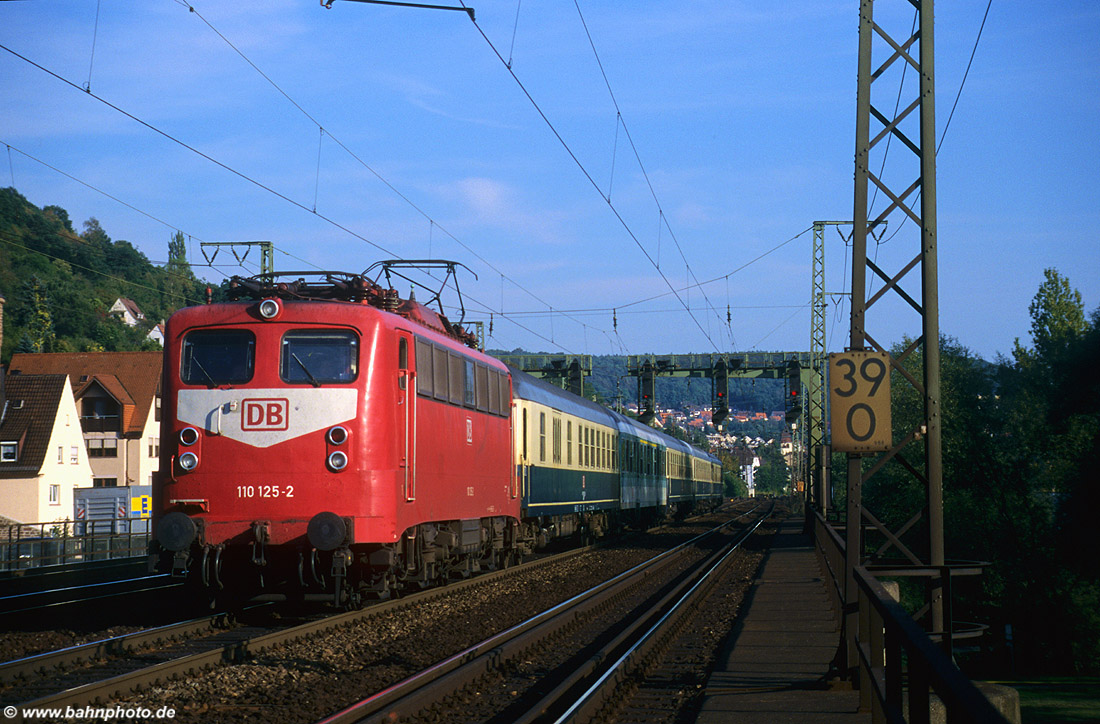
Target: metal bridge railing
[897, 658]
[32, 545]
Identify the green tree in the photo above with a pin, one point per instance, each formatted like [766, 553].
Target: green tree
[1057, 323]
[773, 476]
[181, 287]
[1021, 494]
[39, 332]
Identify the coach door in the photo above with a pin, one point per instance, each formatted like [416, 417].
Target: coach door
[406, 414]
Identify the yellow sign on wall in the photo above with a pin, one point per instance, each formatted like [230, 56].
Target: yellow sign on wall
[859, 401]
[141, 506]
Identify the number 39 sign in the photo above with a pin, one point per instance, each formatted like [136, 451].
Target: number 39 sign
[859, 401]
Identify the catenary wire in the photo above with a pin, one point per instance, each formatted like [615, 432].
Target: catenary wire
[196, 151]
[588, 175]
[327, 132]
[638, 157]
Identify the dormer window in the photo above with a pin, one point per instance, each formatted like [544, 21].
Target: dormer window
[9, 452]
[100, 414]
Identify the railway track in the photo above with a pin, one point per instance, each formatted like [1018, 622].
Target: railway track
[116, 667]
[618, 629]
[31, 603]
[234, 658]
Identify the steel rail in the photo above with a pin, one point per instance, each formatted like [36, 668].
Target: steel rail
[418, 692]
[674, 605]
[35, 600]
[123, 684]
[40, 664]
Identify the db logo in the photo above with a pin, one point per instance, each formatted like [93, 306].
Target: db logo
[265, 414]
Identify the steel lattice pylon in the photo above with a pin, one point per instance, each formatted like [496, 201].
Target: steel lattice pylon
[907, 132]
[815, 394]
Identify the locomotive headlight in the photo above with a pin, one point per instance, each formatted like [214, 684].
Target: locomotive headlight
[337, 435]
[189, 461]
[269, 308]
[189, 436]
[337, 461]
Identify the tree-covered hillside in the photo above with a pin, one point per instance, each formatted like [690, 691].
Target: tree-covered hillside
[59, 284]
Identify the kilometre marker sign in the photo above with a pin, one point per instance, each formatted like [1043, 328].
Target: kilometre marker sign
[859, 401]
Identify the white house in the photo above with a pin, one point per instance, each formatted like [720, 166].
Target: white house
[127, 311]
[42, 453]
[118, 396]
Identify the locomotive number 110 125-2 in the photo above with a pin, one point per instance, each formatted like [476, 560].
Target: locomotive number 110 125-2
[265, 491]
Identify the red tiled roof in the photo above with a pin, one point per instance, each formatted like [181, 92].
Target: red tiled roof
[135, 375]
[32, 402]
[132, 308]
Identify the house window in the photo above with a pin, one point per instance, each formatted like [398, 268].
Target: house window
[104, 482]
[106, 447]
[74, 454]
[60, 454]
[9, 451]
[154, 447]
[55, 494]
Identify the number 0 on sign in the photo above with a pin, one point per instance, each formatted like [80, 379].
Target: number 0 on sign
[859, 401]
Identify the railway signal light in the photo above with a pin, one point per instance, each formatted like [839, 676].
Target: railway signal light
[647, 406]
[794, 386]
[720, 409]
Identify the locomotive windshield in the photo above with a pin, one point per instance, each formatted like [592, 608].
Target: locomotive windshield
[218, 357]
[316, 358]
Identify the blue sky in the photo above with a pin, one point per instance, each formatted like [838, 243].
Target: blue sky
[742, 114]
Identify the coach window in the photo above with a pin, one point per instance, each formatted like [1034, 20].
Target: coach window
[215, 357]
[425, 381]
[524, 435]
[542, 437]
[568, 442]
[319, 357]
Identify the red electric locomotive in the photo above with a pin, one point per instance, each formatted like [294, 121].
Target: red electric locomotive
[299, 461]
